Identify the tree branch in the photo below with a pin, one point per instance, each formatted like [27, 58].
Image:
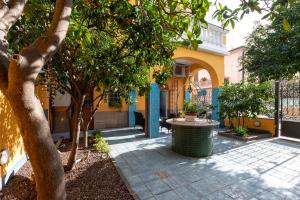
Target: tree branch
[9, 14]
[3, 8]
[13, 11]
[46, 45]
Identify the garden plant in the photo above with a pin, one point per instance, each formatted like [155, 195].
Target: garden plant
[21, 60]
[245, 100]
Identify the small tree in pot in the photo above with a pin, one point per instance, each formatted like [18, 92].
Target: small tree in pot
[191, 110]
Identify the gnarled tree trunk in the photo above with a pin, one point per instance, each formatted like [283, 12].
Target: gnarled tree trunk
[88, 119]
[44, 158]
[17, 82]
[86, 134]
[76, 122]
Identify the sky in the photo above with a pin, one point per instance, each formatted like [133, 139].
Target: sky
[236, 37]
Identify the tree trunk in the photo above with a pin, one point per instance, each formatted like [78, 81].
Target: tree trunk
[239, 123]
[18, 74]
[86, 135]
[70, 113]
[76, 122]
[35, 130]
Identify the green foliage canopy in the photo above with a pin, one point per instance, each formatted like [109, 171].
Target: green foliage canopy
[270, 9]
[111, 44]
[272, 52]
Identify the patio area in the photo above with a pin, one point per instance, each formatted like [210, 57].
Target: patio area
[265, 169]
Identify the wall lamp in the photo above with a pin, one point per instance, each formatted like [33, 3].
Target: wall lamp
[257, 123]
[4, 156]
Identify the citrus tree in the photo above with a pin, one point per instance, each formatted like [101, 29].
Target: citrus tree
[241, 100]
[18, 74]
[110, 47]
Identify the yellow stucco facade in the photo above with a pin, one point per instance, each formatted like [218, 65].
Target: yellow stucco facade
[266, 124]
[10, 137]
[10, 134]
[198, 60]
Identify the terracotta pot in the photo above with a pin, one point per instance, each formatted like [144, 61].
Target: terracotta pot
[190, 117]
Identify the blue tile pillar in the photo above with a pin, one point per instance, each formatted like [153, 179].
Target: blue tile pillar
[187, 96]
[215, 103]
[153, 111]
[132, 108]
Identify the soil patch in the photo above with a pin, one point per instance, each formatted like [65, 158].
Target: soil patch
[94, 178]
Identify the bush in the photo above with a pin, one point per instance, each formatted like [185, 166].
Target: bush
[241, 131]
[191, 107]
[99, 142]
[240, 100]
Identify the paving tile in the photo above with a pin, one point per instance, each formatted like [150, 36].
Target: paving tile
[267, 196]
[209, 185]
[192, 176]
[134, 180]
[171, 195]
[127, 172]
[142, 191]
[150, 176]
[236, 192]
[151, 198]
[157, 186]
[267, 169]
[285, 194]
[189, 193]
[175, 181]
[219, 195]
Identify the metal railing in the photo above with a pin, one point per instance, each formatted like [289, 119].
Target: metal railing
[290, 99]
[214, 39]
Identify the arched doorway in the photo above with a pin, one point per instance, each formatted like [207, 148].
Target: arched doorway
[195, 61]
[177, 90]
[202, 88]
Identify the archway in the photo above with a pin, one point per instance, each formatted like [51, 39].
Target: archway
[177, 88]
[202, 88]
[198, 60]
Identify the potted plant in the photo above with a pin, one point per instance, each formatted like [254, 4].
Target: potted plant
[191, 110]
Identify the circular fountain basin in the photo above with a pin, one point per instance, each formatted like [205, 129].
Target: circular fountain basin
[193, 139]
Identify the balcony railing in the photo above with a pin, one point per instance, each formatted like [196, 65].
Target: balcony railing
[214, 39]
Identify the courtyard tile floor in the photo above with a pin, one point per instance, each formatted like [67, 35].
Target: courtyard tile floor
[262, 170]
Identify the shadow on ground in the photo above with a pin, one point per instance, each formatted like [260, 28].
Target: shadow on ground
[265, 169]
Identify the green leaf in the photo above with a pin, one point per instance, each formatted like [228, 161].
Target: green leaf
[286, 25]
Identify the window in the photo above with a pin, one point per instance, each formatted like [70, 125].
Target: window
[179, 70]
[114, 99]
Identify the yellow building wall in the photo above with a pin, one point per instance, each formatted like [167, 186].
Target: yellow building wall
[104, 107]
[213, 63]
[10, 137]
[42, 94]
[267, 124]
[140, 103]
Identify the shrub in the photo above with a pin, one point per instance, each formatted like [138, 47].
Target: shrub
[99, 142]
[241, 131]
[240, 100]
[181, 114]
[191, 107]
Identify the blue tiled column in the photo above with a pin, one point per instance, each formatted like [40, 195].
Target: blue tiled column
[153, 111]
[187, 96]
[215, 103]
[132, 108]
